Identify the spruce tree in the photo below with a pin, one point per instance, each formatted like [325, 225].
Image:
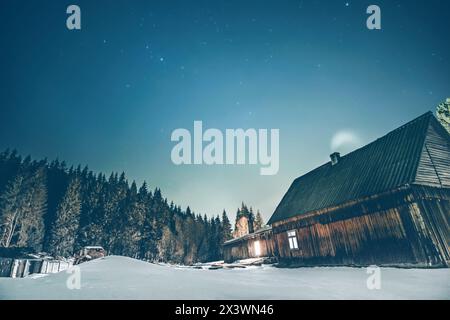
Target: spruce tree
[65, 227]
[22, 209]
[443, 114]
[251, 220]
[259, 222]
[226, 228]
[32, 228]
[11, 209]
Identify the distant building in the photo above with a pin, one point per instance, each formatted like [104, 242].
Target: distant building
[387, 203]
[89, 253]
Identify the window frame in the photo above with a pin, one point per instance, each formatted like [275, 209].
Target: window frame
[292, 239]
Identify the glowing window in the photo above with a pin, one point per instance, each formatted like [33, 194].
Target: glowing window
[257, 248]
[292, 237]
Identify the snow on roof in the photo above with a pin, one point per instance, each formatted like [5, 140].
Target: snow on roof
[250, 235]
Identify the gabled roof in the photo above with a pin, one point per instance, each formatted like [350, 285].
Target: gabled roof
[387, 163]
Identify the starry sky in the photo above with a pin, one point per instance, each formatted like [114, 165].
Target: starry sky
[110, 94]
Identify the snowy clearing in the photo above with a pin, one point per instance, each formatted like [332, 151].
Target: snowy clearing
[117, 277]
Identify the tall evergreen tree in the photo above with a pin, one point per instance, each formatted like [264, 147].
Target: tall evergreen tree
[11, 203]
[65, 227]
[226, 227]
[443, 114]
[57, 180]
[22, 208]
[259, 222]
[251, 220]
[10, 163]
[32, 226]
[91, 214]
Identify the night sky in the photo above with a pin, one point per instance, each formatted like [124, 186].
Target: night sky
[110, 94]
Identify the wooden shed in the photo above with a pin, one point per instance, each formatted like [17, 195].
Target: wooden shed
[19, 263]
[387, 203]
[254, 245]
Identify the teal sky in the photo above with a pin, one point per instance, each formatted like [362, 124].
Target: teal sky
[110, 95]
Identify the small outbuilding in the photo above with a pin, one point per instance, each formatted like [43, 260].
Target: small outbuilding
[254, 245]
[90, 253]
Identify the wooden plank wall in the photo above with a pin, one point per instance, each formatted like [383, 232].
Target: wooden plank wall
[434, 164]
[245, 248]
[5, 266]
[433, 204]
[413, 233]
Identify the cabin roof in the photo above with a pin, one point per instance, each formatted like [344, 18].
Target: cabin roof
[93, 248]
[264, 229]
[384, 164]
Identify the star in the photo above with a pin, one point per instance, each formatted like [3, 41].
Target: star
[347, 4]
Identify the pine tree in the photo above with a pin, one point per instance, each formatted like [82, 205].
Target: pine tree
[148, 242]
[10, 163]
[91, 188]
[32, 226]
[135, 216]
[251, 221]
[22, 208]
[259, 222]
[114, 217]
[215, 239]
[11, 209]
[166, 246]
[226, 228]
[443, 114]
[67, 221]
[57, 180]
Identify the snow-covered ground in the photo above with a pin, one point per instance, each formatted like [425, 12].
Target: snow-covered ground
[124, 278]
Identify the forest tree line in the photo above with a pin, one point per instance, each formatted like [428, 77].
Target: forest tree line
[48, 207]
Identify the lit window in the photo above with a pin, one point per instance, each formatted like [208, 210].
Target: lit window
[292, 237]
[257, 249]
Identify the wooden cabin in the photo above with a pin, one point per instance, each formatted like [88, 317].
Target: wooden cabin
[387, 203]
[254, 245]
[89, 253]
